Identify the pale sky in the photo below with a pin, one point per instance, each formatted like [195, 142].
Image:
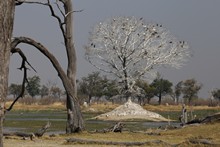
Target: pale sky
[195, 21]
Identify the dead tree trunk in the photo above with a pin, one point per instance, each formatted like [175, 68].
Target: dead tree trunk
[7, 8]
[75, 120]
[65, 20]
[183, 117]
[43, 130]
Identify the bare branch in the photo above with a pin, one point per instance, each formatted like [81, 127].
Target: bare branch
[134, 47]
[29, 2]
[58, 6]
[51, 57]
[24, 68]
[58, 18]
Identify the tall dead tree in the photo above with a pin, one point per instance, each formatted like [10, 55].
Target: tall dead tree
[65, 22]
[131, 49]
[7, 8]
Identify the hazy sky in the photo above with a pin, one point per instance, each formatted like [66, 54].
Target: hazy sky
[195, 21]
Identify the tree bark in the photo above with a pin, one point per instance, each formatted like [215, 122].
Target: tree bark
[74, 116]
[75, 121]
[7, 8]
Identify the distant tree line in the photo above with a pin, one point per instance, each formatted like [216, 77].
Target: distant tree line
[95, 86]
[34, 89]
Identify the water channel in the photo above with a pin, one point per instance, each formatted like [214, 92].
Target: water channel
[31, 121]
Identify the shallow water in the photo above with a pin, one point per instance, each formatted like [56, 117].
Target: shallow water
[31, 121]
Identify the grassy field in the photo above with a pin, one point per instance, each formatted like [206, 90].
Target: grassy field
[210, 132]
[181, 136]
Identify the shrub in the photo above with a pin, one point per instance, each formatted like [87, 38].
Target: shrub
[28, 100]
[47, 100]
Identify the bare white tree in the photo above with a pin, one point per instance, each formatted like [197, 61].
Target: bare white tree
[130, 49]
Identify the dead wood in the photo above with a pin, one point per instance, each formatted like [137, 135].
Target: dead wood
[39, 133]
[201, 141]
[43, 130]
[211, 118]
[208, 119]
[116, 128]
[87, 141]
[21, 134]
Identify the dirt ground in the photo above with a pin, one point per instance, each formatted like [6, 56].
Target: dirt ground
[43, 142]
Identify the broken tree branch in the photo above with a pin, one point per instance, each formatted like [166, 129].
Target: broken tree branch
[19, 2]
[51, 57]
[24, 68]
[24, 135]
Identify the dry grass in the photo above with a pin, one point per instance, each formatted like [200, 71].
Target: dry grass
[109, 106]
[177, 136]
[177, 107]
[210, 131]
[20, 106]
[105, 107]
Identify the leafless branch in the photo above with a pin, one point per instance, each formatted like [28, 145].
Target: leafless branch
[57, 17]
[131, 49]
[24, 68]
[46, 53]
[58, 6]
[19, 2]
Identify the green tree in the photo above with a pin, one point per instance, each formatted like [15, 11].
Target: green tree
[92, 85]
[56, 92]
[162, 87]
[33, 86]
[178, 91]
[190, 89]
[44, 91]
[15, 89]
[148, 91]
[216, 94]
[110, 87]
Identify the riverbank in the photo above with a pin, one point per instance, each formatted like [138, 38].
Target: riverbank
[186, 136]
[33, 116]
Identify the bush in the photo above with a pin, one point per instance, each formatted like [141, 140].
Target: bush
[47, 100]
[27, 100]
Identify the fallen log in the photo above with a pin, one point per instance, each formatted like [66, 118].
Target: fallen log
[21, 134]
[43, 130]
[116, 128]
[24, 135]
[201, 141]
[87, 141]
[208, 119]
[211, 118]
